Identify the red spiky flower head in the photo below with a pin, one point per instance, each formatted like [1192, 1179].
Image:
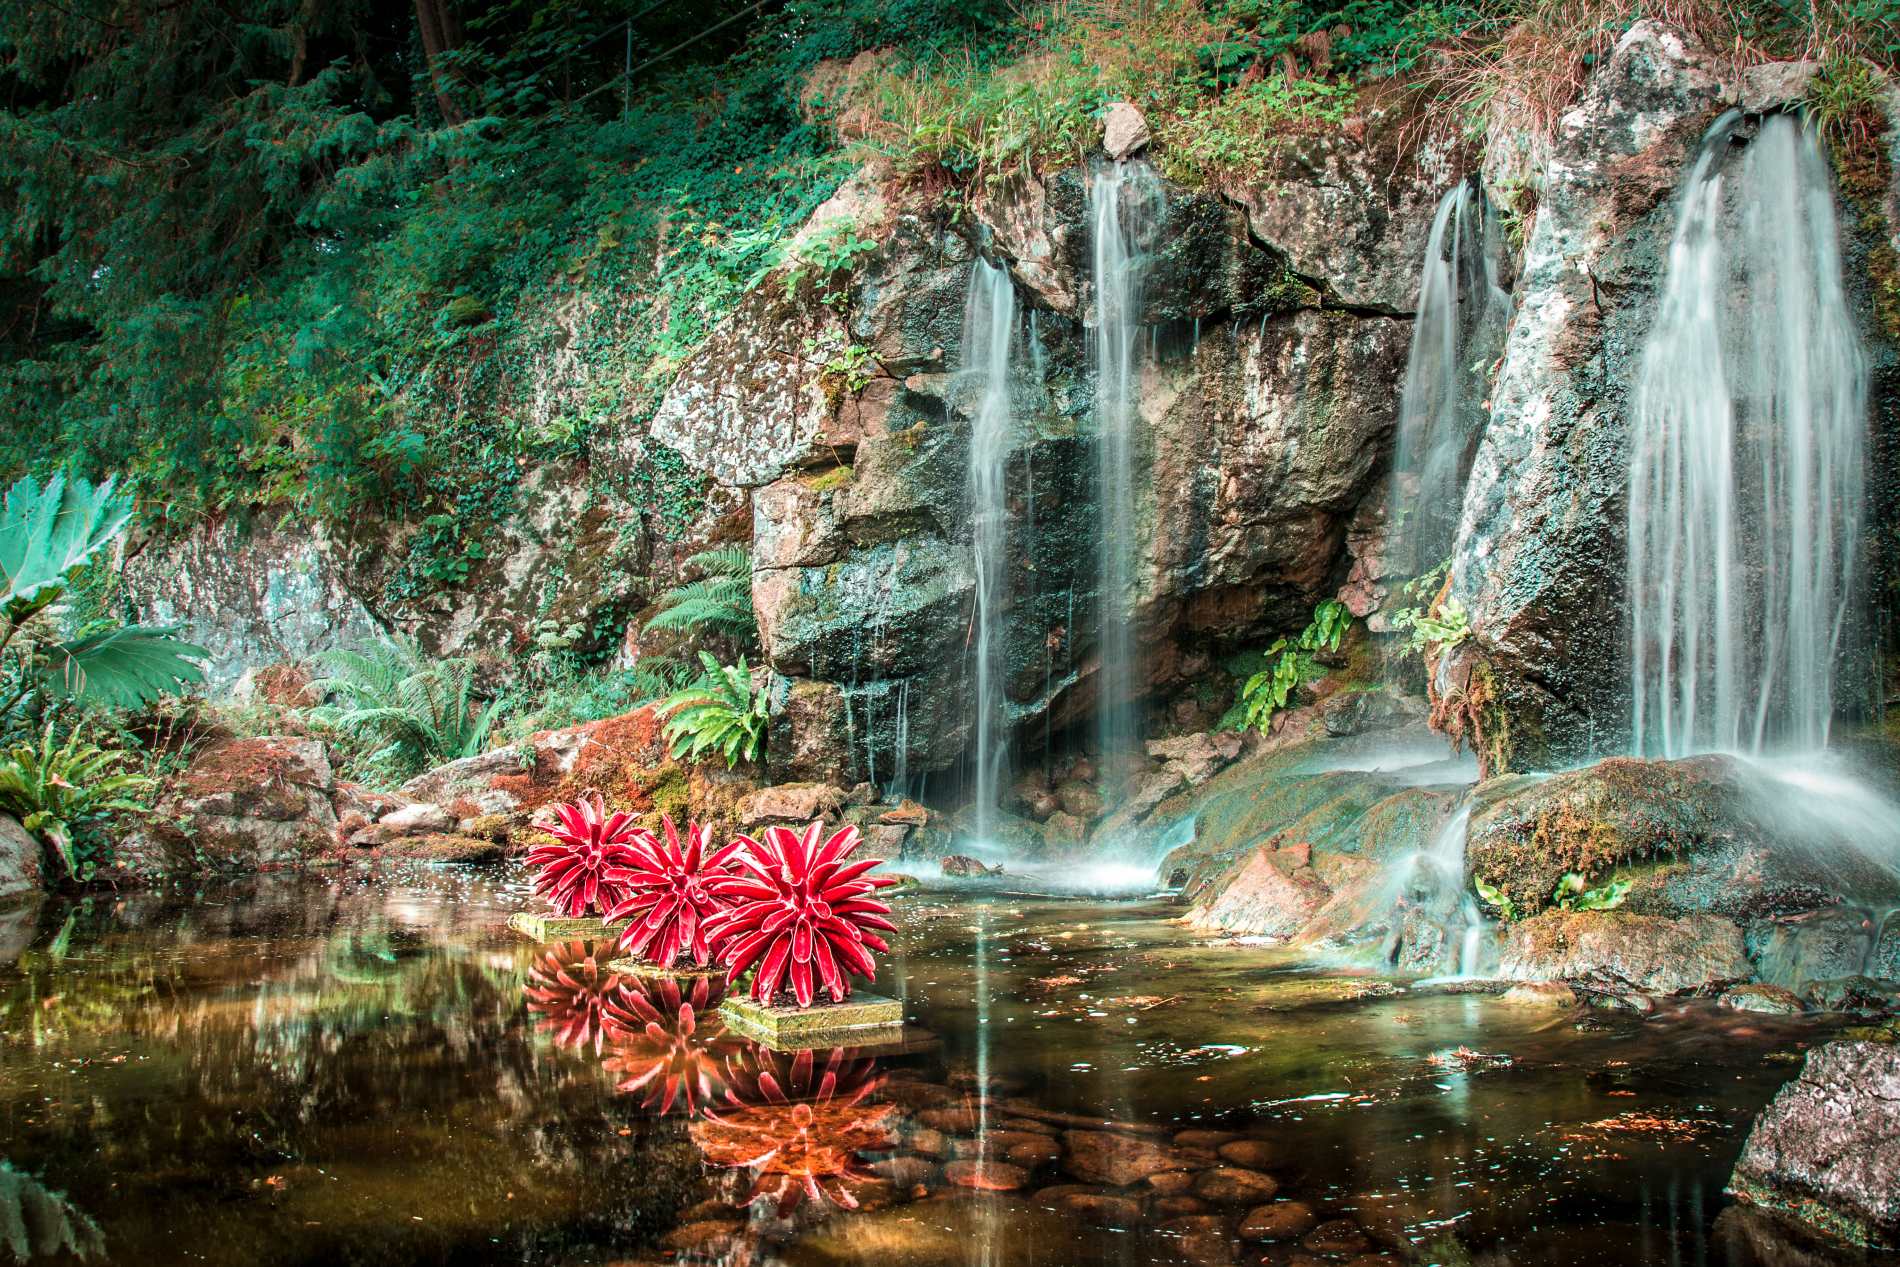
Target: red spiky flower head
[669, 1045]
[575, 870]
[801, 913]
[669, 893]
[570, 990]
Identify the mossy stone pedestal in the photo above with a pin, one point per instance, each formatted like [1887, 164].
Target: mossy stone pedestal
[644, 971]
[536, 926]
[860, 1018]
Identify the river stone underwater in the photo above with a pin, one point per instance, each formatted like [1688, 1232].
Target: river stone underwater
[366, 1068]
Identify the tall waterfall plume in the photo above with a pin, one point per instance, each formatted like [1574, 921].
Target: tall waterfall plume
[1463, 312]
[989, 338]
[1747, 481]
[1125, 204]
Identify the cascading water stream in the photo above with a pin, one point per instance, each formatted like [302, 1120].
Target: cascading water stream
[1463, 312]
[1125, 201]
[989, 336]
[1747, 479]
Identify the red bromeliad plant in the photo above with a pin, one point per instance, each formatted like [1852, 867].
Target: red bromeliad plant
[670, 894]
[801, 913]
[577, 871]
[569, 989]
[799, 1126]
[669, 1044]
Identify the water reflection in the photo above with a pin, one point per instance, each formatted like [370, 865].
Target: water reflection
[370, 1070]
[669, 1045]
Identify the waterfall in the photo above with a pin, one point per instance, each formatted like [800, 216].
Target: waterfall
[989, 332]
[1747, 457]
[1463, 313]
[1125, 202]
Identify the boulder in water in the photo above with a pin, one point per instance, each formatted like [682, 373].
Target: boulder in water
[958, 864]
[1770, 1000]
[1619, 951]
[1826, 1150]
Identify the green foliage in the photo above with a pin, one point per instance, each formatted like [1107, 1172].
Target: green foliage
[1495, 898]
[1574, 894]
[1432, 616]
[718, 602]
[413, 712]
[1844, 100]
[1290, 662]
[721, 712]
[63, 792]
[124, 667]
[49, 534]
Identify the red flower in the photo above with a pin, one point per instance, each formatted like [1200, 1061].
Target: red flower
[575, 872]
[666, 1044]
[570, 990]
[799, 1127]
[800, 911]
[668, 895]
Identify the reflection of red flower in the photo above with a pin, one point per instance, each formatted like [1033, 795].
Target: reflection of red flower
[798, 1125]
[668, 1044]
[570, 990]
[575, 870]
[802, 909]
[669, 894]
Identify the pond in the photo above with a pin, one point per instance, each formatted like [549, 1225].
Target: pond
[367, 1068]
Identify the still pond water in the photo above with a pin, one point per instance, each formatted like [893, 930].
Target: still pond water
[369, 1069]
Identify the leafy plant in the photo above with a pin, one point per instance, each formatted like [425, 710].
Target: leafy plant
[583, 870]
[668, 1044]
[801, 913]
[1434, 616]
[48, 533]
[1495, 898]
[1291, 662]
[60, 792]
[721, 712]
[718, 602]
[416, 711]
[671, 893]
[1573, 894]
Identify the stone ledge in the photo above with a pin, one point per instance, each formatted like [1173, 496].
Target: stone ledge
[538, 927]
[786, 1024]
[645, 971]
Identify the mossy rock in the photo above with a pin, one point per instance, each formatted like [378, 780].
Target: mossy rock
[445, 847]
[1710, 833]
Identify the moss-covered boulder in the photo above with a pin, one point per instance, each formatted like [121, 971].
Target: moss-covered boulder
[1717, 834]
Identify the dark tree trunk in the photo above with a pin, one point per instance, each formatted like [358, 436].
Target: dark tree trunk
[441, 35]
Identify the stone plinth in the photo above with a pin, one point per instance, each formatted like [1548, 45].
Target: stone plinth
[536, 926]
[858, 1018]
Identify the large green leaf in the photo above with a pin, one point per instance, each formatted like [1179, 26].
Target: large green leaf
[127, 667]
[47, 530]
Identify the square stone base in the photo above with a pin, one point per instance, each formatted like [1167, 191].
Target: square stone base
[538, 927]
[645, 971]
[862, 1017]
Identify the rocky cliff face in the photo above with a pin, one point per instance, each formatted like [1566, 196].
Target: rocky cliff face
[1266, 406]
[1539, 563]
[829, 413]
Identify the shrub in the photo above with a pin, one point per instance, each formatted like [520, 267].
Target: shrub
[416, 712]
[63, 793]
[722, 712]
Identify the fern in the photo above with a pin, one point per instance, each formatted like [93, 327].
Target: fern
[720, 713]
[420, 712]
[56, 790]
[1290, 663]
[719, 602]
